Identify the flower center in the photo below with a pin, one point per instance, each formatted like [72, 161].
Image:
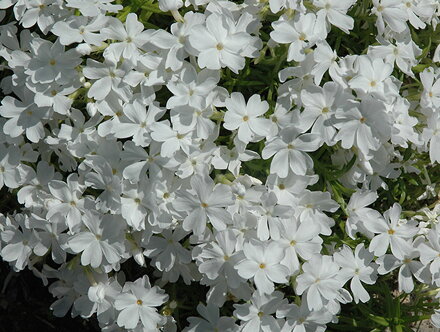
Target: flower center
[262, 265]
[362, 120]
[245, 118]
[260, 314]
[52, 62]
[204, 205]
[391, 231]
[139, 302]
[281, 186]
[325, 110]
[373, 84]
[293, 243]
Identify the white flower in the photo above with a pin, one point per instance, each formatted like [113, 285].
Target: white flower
[290, 149]
[107, 78]
[219, 44]
[408, 267]
[78, 29]
[257, 315]
[20, 240]
[138, 122]
[138, 302]
[100, 244]
[392, 233]
[68, 200]
[204, 202]
[246, 117]
[23, 116]
[359, 215]
[358, 267]
[301, 318]
[319, 281]
[390, 12]
[211, 322]
[132, 37]
[220, 258]
[298, 240]
[335, 11]
[302, 32]
[372, 76]
[363, 125]
[49, 63]
[262, 263]
[94, 7]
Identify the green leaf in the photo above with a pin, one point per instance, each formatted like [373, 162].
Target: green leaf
[379, 320]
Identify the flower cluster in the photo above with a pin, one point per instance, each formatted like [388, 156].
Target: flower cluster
[128, 143]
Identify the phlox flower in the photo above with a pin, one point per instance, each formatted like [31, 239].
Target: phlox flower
[430, 252]
[204, 202]
[359, 215]
[258, 314]
[310, 207]
[431, 89]
[137, 303]
[138, 122]
[390, 12]
[49, 63]
[391, 232]
[408, 266]
[211, 320]
[299, 240]
[107, 76]
[335, 12]
[290, 151]
[100, 244]
[319, 280]
[23, 116]
[219, 44]
[9, 162]
[246, 117]
[357, 266]
[78, 29]
[403, 54]
[372, 76]
[431, 134]
[132, 37]
[103, 295]
[173, 139]
[269, 215]
[68, 200]
[320, 105]
[302, 32]
[302, 319]
[20, 241]
[192, 88]
[93, 8]
[365, 125]
[166, 250]
[220, 258]
[262, 263]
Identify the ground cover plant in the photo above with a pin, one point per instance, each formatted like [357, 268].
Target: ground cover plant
[224, 165]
